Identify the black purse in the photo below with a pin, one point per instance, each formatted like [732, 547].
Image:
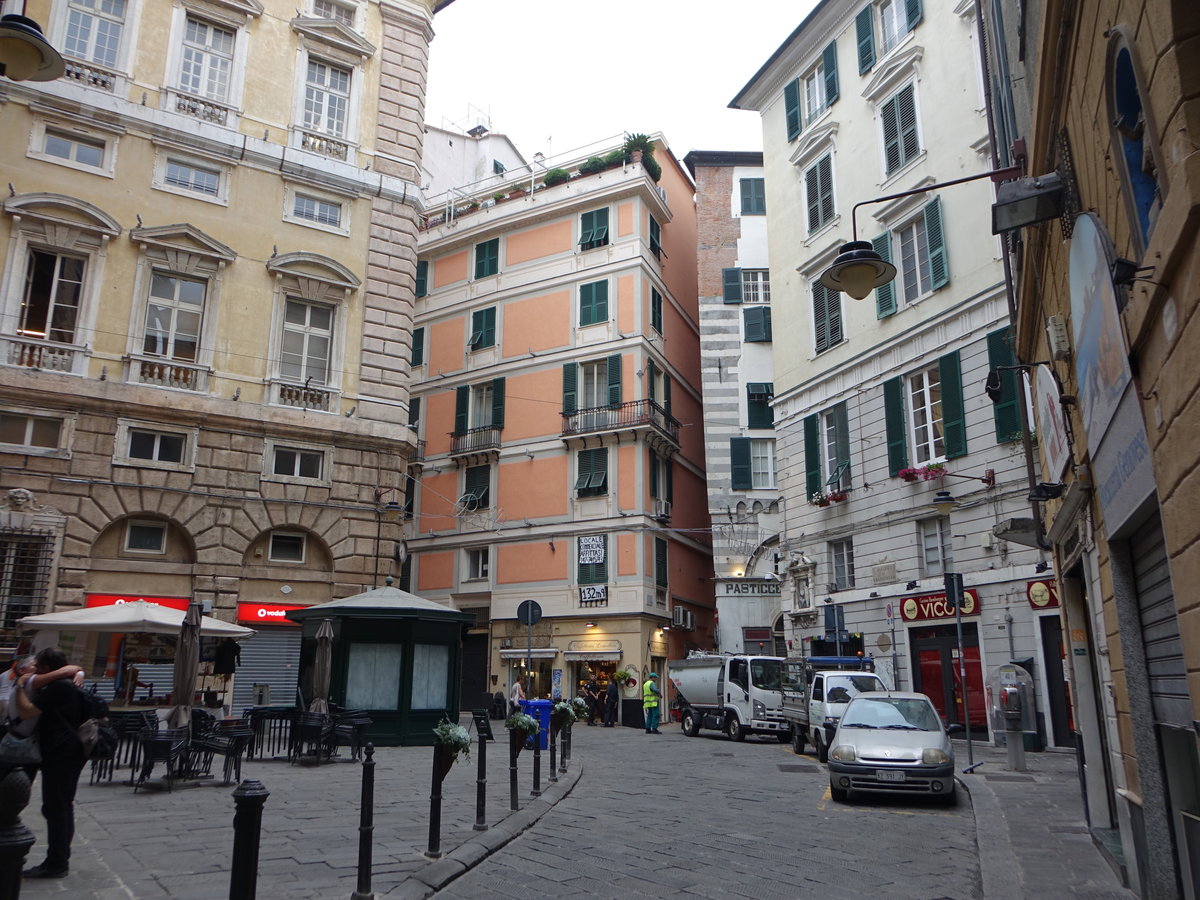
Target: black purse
[19, 751]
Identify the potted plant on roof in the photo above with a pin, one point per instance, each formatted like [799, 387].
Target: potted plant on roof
[557, 176]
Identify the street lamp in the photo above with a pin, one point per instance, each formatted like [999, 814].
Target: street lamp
[390, 511]
[25, 54]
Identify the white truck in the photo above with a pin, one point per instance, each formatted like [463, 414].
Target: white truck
[815, 691]
[738, 695]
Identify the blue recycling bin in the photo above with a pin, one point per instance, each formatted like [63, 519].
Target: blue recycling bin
[540, 710]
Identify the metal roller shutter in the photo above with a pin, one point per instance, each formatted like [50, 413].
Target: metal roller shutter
[272, 658]
[1160, 627]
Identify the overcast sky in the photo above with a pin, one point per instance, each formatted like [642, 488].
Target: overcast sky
[557, 75]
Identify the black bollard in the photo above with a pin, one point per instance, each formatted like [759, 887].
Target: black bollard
[481, 787]
[562, 749]
[15, 838]
[440, 769]
[536, 791]
[514, 747]
[248, 798]
[366, 826]
[553, 740]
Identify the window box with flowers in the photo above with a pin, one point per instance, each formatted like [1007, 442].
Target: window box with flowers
[909, 474]
[933, 471]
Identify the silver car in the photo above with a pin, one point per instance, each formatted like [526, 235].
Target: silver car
[891, 742]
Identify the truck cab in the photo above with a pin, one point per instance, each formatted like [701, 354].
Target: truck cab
[815, 692]
[736, 694]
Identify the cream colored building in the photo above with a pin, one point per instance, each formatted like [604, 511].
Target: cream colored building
[206, 290]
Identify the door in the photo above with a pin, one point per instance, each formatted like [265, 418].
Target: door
[474, 688]
[935, 649]
[1062, 727]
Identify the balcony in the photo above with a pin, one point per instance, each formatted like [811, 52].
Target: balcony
[90, 75]
[199, 108]
[46, 355]
[168, 374]
[324, 145]
[483, 439]
[303, 396]
[635, 415]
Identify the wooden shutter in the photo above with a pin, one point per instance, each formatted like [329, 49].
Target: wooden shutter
[758, 323]
[791, 105]
[731, 282]
[891, 134]
[954, 421]
[939, 265]
[825, 187]
[478, 482]
[666, 401]
[414, 411]
[895, 423]
[651, 380]
[741, 477]
[653, 474]
[570, 388]
[489, 327]
[614, 380]
[913, 12]
[462, 405]
[906, 110]
[812, 197]
[497, 401]
[865, 34]
[422, 285]
[418, 346]
[885, 294]
[758, 406]
[827, 316]
[841, 439]
[1006, 411]
[829, 63]
[660, 562]
[813, 481]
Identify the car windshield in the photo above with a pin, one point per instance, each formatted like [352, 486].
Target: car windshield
[844, 688]
[765, 673]
[901, 713]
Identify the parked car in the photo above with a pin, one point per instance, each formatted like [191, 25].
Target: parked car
[891, 742]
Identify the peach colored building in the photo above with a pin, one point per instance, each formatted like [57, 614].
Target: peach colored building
[556, 396]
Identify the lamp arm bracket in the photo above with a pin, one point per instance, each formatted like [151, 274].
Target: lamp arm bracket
[997, 175]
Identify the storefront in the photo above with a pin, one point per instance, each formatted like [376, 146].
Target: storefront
[268, 667]
[934, 655]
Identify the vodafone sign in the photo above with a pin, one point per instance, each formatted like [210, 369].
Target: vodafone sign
[934, 606]
[267, 613]
[117, 599]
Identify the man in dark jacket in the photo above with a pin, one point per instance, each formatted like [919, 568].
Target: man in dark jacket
[591, 693]
[612, 701]
[61, 708]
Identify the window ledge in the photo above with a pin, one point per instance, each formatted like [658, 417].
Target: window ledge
[820, 233]
[905, 169]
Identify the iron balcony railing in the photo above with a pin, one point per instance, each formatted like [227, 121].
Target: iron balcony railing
[632, 414]
[485, 437]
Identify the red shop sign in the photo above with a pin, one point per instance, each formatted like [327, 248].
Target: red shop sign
[1042, 594]
[115, 599]
[934, 606]
[267, 613]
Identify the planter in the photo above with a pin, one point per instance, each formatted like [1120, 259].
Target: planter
[516, 742]
[445, 760]
[822, 503]
[909, 478]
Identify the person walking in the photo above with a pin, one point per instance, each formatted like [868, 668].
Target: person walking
[591, 693]
[516, 697]
[612, 700]
[60, 707]
[650, 698]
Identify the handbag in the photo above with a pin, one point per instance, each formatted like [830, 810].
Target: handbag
[19, 751]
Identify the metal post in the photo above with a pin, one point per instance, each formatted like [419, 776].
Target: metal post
[536, 791]
[481, 787]
[248, 797]
[434, 850]
[514, 747]
[15, 838]
[553, 739]
[954, 593]
[562, 750]
[366, 826]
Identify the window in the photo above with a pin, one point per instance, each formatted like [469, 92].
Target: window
[418, 347]
[891, 20]
[156, 446]
[592, 387]
[593, 229]
[477, 563]
[477, 484]
[660, 562]
[173, 317]
[593, 303]
[314, 209]
[487, 258]
[756, 286]
[73, 148]
[298, 463]
[656, 310]
[827, 317]
[1132, 135]
[891, 24]
[925, 412]
[286, 547]
[754, 197]
[591, 479]
[758, 405]
[145, 537]
[498, 168]
[931, 401]
[414, 412]
[483, 328]
[479, 406]
[752, 463]
[811, 94]
[827, 451]
[593, 558]
[421, 288]
[818, 193]
[332, 9]
[326, 98]
[307, 336]
[901, 141]
[937, 552]
[431, 676]
[207, 60]
[192, 177]
[757, 322]
[29, 431]
[655, 238]
[149, 446]
[24, 574]
[662, 477]
[50, 305]
[841, 563]
[373, 676]
[94, 29]
[919, 249]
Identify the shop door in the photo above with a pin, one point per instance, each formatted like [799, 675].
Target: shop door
[270, 658]
[1062, 726]
[937, 672]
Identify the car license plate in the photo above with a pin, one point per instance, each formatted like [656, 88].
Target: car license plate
[888, 775]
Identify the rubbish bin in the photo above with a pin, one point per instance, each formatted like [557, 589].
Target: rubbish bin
[540, 710]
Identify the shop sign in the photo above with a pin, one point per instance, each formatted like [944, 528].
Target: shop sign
[267, 613]
[934, 606]
[117, 599]
[1042, 594]
[591, 549]
[749, 587]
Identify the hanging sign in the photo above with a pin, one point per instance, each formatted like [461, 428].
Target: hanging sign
[591, 549]
[1042, 594]
[117, 599]
[267, 613]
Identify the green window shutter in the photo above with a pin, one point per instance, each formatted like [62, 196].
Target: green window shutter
[740, 475]
[593, 303]
[913, 12]
[489, 326]
[894, 420]
[954, 420]
[498, 167]
[906, 112]
[891, 134]
[652, 380]
[825, 187]
[614, 380]
[462, 403]
[422, 286]
[570, 388]
[813, 481]
[754, 198]
[660, 562]
[655, 236]
[414, 411]
[498, 402]
[1006, 412]
[487, 258]
[656, 310]
[666, 403]
[731, 282]
[865, 33]
[827, 317]
[841, 439]
[592, 477]
[791, 106]
[829, 64]
[477, 482]
[759, 413]
[939, 265]
[885, 294]
[593, 230]
[602, 301]
[654, 475]
[812, 197]
[418, 347]
[757, 323]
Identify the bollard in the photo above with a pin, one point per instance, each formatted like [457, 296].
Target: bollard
[562, 750]
[440, 768]
[536, 790]
[15, 838]
[366, 826]
[248, 798]
[481, 787]
[552, 742]
[514, 747]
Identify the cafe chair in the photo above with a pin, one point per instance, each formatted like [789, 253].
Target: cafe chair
[228, 740]
[169, 747]
[312, 735]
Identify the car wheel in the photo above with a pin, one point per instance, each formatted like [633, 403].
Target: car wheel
[797, 740]
[819, 748]
[840, 795]
[689, 725]
[734, 728]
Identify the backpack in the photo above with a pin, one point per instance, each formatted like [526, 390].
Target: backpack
[98, 737]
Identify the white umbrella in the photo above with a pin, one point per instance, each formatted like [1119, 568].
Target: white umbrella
[136, 616]
[322, 668]
[187, 658]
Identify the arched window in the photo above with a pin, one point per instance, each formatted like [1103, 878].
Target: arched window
[1133, 138]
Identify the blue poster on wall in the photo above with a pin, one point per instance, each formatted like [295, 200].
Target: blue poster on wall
[556, 685]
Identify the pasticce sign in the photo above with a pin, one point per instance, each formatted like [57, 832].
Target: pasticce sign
[117, 599]
[267, 613]
[749, 588]
[934, 606]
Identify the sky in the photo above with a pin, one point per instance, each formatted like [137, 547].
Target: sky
[558, 75]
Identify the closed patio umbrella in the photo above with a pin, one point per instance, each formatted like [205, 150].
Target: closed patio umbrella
[187, 660]
[322, 668]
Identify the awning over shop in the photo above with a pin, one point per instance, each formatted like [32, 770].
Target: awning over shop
[537, 653]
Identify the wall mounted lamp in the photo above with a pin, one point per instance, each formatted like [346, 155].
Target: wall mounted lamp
[1046, 490]
[589, 624]
[944, 502]
[911, 586]
[1041, 566]
[1025, 201]
[25, 54]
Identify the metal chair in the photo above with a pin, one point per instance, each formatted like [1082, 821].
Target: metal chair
[229, 740]
[312, 735]
[168, 747]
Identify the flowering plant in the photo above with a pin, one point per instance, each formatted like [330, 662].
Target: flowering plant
[580, 706]
[564, 712]
[933, 470]
[838, 496]
[454, 738]
[522, 723]
[909, 474]
[819, 498]
[622, 676]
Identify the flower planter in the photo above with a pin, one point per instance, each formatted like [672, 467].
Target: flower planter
[909, 478]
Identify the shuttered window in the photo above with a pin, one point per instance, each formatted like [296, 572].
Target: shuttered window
[818, 193]
[895, 424]
[754, 197]
[656, 310]
[758, 405]
[885, 294]
[591, 477]
[593, 303]
[477, 481]
[827, 317]
[731, 285]
[739, 464]
[901, 142]
[660, 562]
[1006, 412]
[487, 258]
[594, 572]
[422, 285]
[593, 229]
[864, 33]
[418, 347]
[757, 320]
[483, 328]
[791, 105]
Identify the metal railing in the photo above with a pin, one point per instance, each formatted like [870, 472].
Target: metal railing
[485, 437]
[632, 414]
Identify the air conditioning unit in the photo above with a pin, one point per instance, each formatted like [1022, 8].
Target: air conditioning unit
[662, 509]
[679, 616]
[689, 620]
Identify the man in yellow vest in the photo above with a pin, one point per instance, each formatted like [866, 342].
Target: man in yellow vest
[650, 697]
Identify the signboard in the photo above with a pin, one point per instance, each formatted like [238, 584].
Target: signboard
[1042, 594]
[593, 592]
[756, 634]
[115, 599]
[591, 549]
[934, 606]
[1052, 426]
[483, 725]
[749, 587]
[267, 613]
[529, 612]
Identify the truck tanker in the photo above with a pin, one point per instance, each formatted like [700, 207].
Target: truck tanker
[738, 695]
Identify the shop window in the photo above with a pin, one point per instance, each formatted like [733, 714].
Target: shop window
[1136, 161]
